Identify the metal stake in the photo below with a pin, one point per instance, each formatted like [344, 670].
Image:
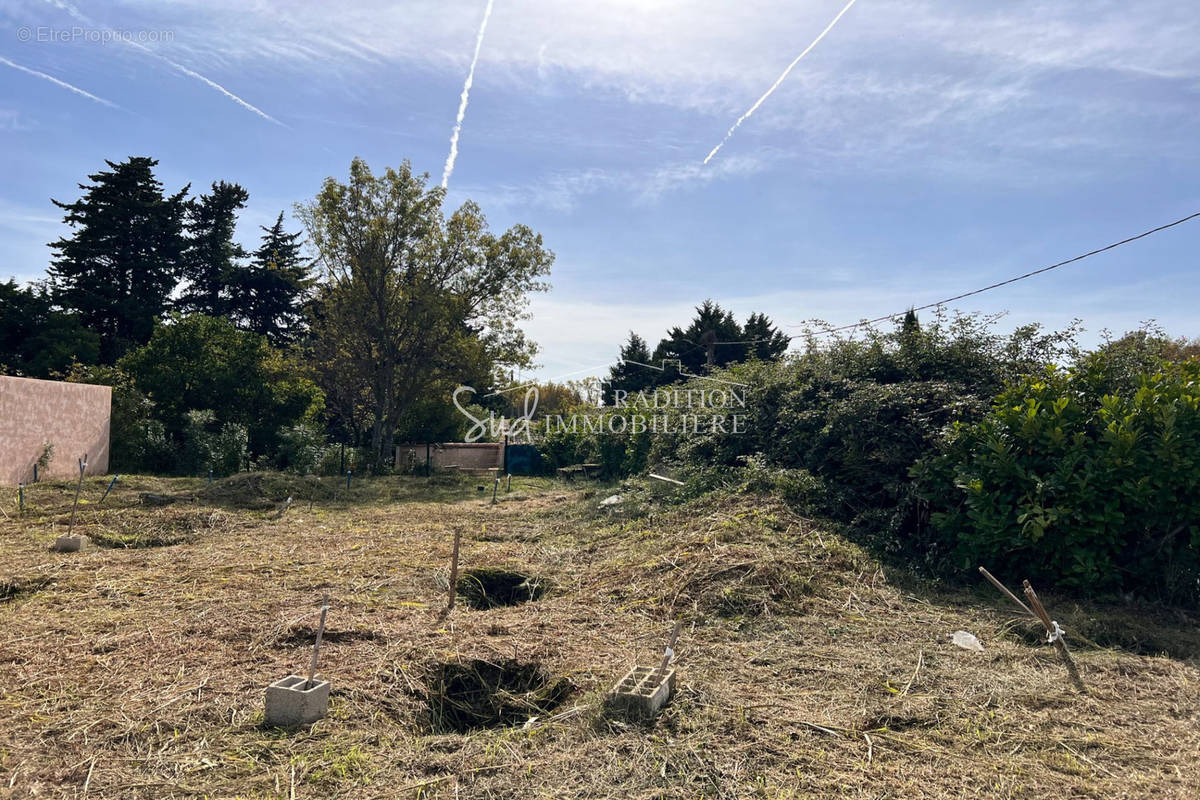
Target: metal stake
[111, 484]
[454, 570]
[312, 668]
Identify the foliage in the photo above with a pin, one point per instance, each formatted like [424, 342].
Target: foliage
[302, 449]
[415, 303]
[212, 260]
[1070, 483]
[46, 457]
[123, 258]
[274, 287]
[36, 341]
[198, 362]
[712, 339]
[207, 446]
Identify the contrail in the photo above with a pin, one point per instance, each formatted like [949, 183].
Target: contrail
[213, 84]
[778, 81]
[81, 17]
[462, 102]
[63, 84]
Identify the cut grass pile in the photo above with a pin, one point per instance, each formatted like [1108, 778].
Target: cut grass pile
[466, 696]
[806, 670]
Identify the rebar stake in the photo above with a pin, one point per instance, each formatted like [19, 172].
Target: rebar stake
[312, 668]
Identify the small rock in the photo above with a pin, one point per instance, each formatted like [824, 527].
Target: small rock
[611, 501]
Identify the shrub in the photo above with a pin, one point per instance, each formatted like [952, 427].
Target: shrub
[205, 447]
[200, 362]
[1071, 486]
[302, 450]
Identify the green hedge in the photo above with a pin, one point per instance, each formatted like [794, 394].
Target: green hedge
[1069, 483]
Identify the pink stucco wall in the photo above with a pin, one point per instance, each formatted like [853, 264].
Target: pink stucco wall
[74, 417]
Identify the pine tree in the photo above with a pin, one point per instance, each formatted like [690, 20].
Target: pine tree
[763, 340]
[630, 373]
[712, 339]
[213, 260]
[275, 287]
[123, 259]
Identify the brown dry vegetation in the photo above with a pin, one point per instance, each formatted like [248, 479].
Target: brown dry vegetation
[137, 669]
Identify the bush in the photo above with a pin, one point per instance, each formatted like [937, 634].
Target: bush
[303, 450]
[1071, 485]
[200, 362]
[222, 450]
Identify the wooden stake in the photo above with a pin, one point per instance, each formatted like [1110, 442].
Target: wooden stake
[1004, 589]
[78, 489]
[1055, 635]
[495, 488]
[312, 667]
[283, 507]
[454, 570]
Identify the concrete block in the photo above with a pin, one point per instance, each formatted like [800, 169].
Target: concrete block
[290, 704]
[641, 693]
[71, 543]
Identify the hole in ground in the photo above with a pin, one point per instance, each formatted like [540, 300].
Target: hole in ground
[18, 587]
[478, 694]
[307, 634]
[489, 587]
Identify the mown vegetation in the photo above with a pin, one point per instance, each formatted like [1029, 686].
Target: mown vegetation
[135, 670]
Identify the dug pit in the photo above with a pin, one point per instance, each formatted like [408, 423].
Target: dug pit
[16, 588]
[490, 588]
[470, 695]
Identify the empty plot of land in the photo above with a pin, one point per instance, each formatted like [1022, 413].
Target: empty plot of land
[136, 669]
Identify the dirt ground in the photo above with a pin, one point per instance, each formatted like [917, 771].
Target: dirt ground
[136, 669]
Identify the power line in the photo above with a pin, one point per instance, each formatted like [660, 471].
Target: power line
[884, 318]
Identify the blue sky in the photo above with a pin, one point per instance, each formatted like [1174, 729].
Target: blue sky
[920, 150]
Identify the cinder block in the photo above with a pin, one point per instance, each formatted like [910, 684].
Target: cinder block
[71, 543]
[290, 704]
[642, 693]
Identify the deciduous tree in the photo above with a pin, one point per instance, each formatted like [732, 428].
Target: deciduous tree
[414, 299]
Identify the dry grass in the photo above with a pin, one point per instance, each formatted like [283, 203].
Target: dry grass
[137, 670]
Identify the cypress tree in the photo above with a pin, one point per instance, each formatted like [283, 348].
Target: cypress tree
[123, 259]
[629, 374]
[275, 287]
[213, 259]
